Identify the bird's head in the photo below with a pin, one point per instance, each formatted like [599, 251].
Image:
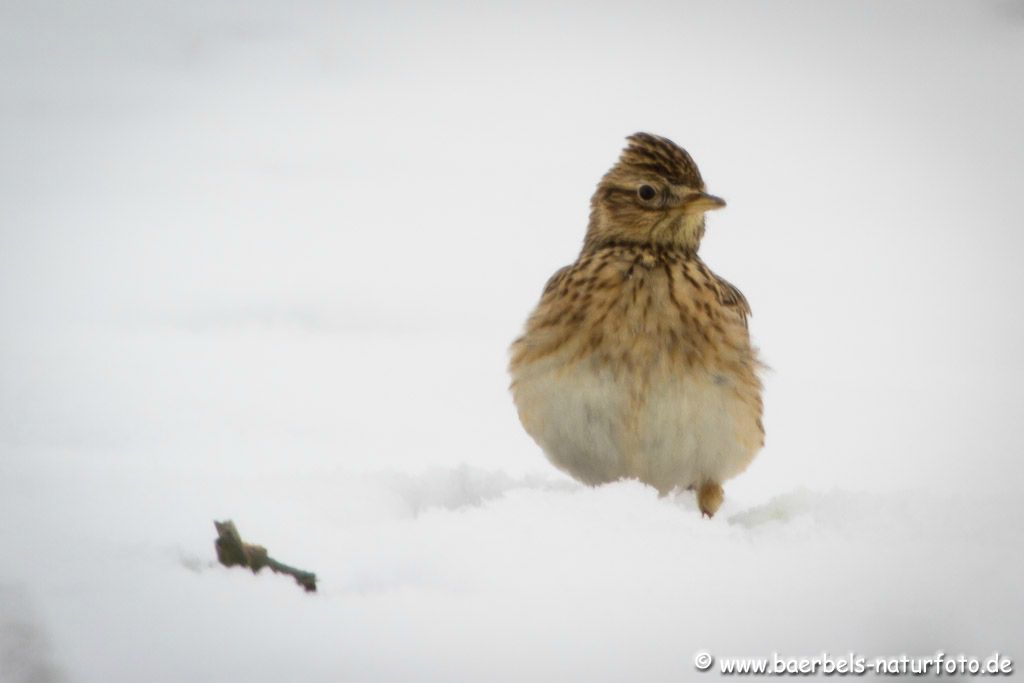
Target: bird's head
[653, 195]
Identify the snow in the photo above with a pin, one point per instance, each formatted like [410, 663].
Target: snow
[264, 263]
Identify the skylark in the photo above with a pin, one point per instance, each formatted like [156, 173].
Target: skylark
[637, 361]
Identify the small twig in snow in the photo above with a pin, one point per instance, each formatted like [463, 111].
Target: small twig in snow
[232, 551]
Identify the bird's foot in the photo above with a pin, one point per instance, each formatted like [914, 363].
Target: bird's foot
[709, 498]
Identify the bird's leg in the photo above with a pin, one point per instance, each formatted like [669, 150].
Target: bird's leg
[709, 498]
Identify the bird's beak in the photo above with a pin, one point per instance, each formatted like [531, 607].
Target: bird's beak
[699, 202]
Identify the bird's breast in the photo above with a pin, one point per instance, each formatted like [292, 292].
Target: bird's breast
[631, 366]
[639, 315]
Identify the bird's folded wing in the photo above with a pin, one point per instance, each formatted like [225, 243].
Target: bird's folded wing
[729, 295]
[555, 279]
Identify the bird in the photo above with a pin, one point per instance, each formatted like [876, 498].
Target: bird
[637, 362]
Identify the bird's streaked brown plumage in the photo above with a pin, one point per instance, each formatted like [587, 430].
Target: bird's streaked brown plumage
[637, 361]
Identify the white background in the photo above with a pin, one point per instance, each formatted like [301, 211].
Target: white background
[264, 260]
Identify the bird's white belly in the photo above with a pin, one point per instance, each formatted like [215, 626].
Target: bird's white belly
[679, 431]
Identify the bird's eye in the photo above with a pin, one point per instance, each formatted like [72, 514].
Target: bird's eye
[646, 192]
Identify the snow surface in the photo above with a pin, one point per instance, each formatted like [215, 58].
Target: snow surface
[263, 261]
